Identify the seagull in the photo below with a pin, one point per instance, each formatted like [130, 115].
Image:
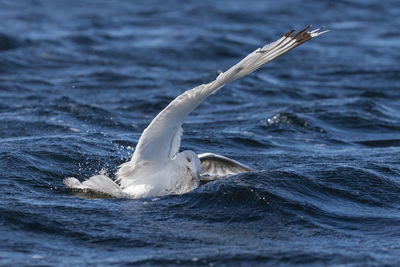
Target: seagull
[157, 168]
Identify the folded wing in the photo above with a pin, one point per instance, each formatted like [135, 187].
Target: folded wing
[214, 166]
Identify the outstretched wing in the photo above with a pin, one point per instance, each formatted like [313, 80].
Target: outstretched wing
[215, 166]
[161, 139]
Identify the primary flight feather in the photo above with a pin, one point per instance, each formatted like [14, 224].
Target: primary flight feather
[157, 167]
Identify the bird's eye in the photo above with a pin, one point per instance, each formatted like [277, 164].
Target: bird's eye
[188, 159]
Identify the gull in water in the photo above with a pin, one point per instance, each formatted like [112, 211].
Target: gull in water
[157, 167]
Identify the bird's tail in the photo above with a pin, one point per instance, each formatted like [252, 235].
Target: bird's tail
[98, 183]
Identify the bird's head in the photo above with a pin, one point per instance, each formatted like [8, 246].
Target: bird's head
[193, 166]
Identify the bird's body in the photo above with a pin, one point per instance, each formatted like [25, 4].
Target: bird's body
[157, 178]
[157, 167]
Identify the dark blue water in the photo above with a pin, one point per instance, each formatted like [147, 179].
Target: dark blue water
[80, 80]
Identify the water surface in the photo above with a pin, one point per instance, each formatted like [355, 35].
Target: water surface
[79, 81]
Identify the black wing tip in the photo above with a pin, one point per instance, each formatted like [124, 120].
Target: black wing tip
[304, 33]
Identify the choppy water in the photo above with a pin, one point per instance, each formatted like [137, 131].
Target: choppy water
[80, 80]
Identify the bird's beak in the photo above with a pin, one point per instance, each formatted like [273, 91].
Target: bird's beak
[194, 175]
[198, 173]
[197, 177]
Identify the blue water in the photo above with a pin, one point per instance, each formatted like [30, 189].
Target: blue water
[80, 80]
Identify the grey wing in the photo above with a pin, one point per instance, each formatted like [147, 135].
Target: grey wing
[215, 166]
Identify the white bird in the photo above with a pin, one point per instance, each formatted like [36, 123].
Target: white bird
[157, 167]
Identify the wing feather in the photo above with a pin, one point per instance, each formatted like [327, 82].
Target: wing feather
[161, 139]
[215, 166]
